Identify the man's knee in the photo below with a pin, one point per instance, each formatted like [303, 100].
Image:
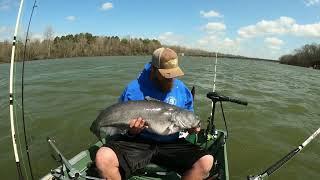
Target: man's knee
[205, 163]
[106, 157]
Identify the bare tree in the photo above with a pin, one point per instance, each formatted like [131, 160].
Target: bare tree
[48, 37]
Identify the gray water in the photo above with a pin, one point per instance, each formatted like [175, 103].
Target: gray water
[63, 97]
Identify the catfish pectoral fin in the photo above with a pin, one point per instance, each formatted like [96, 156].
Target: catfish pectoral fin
[110, 131]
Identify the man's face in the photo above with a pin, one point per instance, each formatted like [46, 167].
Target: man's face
[164, 83]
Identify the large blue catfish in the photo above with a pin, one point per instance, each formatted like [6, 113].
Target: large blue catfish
[161, 118]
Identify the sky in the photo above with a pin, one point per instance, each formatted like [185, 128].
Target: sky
[254, 28]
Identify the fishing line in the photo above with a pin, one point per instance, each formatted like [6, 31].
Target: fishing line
[22, 91]
[28, 113]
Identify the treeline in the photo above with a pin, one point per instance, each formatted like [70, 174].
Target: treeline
[79, 45]
[306, 56]
[86, 44]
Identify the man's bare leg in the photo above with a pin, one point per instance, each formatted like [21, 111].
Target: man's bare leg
[108, 164]
[200, 169]
[106, 159]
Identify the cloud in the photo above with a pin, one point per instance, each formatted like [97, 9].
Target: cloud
[36, 37]
[210, 14]
[229, 42]
[214, 27]
[5, 4]
[311, 2]
[70, 18]
[169, 38]
[220, 44]
[202, 42]
[281, 26]
[106, 6]
[5, 33]
[308, 30]
[273, 43]
[3, 29]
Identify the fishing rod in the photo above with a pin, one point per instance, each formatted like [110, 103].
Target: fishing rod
[215, 74]
[11, 95]
[284, 160]
[73, 173]
[216, 97]
[22, 91]
[211, 126]
[67, 170]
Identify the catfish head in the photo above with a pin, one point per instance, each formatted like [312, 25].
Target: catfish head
[185, 119]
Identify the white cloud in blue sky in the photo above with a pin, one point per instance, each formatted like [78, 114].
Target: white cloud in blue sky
[106, 6]
[5, 4]
[212, 27]
[170, 38]
[3, 29]
[210, 14]
[260, 29]
[281, 26]
[5, 32]
[312, 2]
[273, 42]
[70, 18]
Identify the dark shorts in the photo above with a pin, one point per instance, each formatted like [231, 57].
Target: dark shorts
[134, 154]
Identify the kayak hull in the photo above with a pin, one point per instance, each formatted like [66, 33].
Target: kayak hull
[84, 161]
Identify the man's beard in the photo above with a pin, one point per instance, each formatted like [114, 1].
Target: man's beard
[165, 85]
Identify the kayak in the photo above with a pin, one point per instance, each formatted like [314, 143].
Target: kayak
[82, 165]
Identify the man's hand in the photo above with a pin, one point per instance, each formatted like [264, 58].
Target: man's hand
[194, 130]
[136, 126]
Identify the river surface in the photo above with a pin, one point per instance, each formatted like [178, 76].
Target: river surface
[63, 96]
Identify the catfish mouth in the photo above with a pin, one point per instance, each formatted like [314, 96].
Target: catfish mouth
[197, 124]
[185, 121]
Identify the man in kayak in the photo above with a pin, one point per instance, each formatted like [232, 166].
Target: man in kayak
[119, 158]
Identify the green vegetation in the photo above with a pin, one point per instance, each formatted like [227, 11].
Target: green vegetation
[306, 56]
[86, 44]
[83, 44]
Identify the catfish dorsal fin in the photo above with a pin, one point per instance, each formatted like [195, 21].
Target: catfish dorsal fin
[148, 98]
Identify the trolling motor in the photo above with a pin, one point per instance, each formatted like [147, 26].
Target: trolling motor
[216, 97]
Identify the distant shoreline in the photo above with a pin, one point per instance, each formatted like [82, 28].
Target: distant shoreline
[240, 57]
[229, 57]
[88, 45]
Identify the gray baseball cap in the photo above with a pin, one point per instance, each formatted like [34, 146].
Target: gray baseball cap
[166, 61]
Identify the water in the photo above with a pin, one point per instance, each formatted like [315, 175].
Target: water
[63, 97]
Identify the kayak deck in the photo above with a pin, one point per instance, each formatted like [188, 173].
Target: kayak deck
[84, 161]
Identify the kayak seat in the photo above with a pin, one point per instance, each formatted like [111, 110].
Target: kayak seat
[151, 170]
[155, 171]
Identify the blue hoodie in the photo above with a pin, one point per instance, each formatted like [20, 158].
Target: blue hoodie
[141, 87]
